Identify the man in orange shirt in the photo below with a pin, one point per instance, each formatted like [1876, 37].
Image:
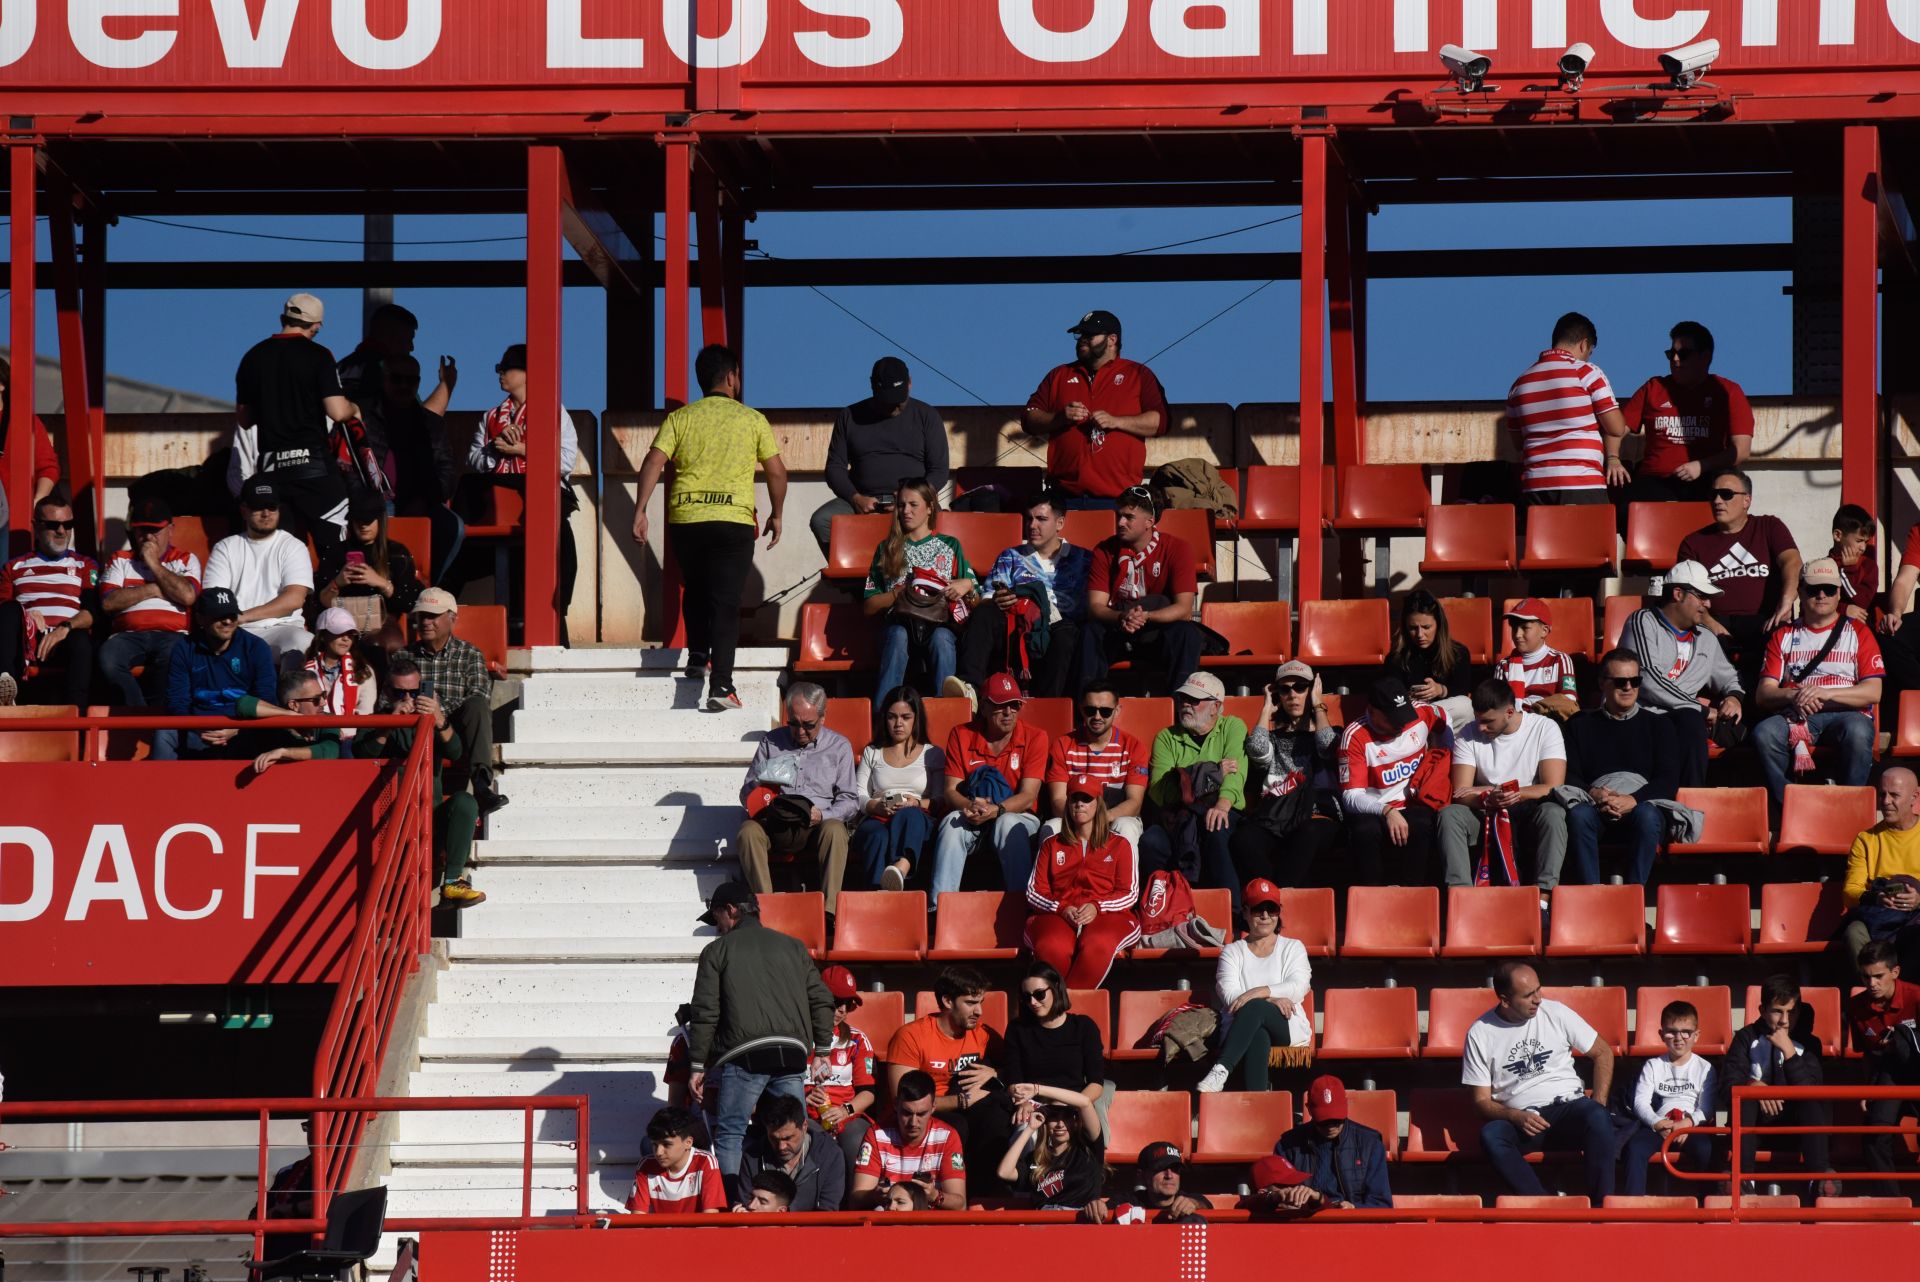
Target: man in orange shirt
[993, 770]
[959, 1052]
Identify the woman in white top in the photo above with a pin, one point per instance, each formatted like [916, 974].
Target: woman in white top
[348, 683]
[1260, 986]
[899, 776]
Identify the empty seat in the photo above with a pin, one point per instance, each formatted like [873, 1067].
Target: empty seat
[1371, 1023]
[1714, 1002]
[1258, 632]
[1138, 1013]
[1271, 499]
[1906, 736]
[993, 1009]
[854, 719]
[1381, 1111]
[1244, 706]
[1136, 1119]
[1194, 527]
[1604, 1009]
[1053, 717]
[978, 925]
[850, 547]
[1736, 822]
[1615, 614]
[1442, 1125]
[40, 745]
[1355, 633]
[415, 533]
[484, 627]
[1469, 538]
[1450, 1013]
[1799, 917]
[1241, 1126]
[836, 638]
[1492, 921]
[1306, 914]
[880, 925]
[879, 1016]
[1655, 530]
[1572, 538]
[1437, 1201]
[1570, 617]
[197, 535]
[1862, 1203]
[1392, 921]
[1096, 1005]
[1646, 1202]
[1703, 919]
[1752, 1201]
[1144, 718]
[944, 712]
[1827, 1016]
[1546, 1201]
[1214, 905]
[1597, 921]
[801, 914]
[982, 536]
[1382, 496]
[1824, 819]
[1470, 620]
[1087, 528]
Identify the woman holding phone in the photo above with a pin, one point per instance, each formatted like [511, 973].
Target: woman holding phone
[369, 575]
[898, 775]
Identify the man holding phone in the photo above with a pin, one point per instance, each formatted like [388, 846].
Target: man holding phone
[1505, 768]
[455, 673]
[407, 694]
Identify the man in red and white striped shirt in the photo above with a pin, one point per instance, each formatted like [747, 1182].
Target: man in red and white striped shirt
[1565, 421]
[1821, 679]
[1100, 750]
[913, 1146]
[46, 609]
[1379, 755]
[146, 591]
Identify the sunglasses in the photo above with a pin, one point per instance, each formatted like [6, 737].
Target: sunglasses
[1629, 683]
[845, 1003]
[794, 723]
[55, 525]
[1036, 995]
[1094, 712]
[1728, 496]
[1293, 687]
[1264, 910]
[1820, 589]
[1681, 353]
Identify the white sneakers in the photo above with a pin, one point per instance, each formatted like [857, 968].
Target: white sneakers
[1214, 1082]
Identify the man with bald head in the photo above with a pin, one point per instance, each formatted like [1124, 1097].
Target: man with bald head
[1883, 873]
[1519, 1062]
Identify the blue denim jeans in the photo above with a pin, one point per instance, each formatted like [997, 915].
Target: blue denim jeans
[1578, 1123]
[1013, 838]
[1848, 730]
[737, 1093]
[905, 836]
[149, 648]
[1642, 829]
[942, 654]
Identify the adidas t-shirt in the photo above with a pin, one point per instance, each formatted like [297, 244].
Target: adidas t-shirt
[1741, 565]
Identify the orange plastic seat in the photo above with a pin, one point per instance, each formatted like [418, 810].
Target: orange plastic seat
[879, 1016]
[1087, 528]
[1241, 1126]
[850, 547]
[1381, 1111]
[1604, 1009]
[1437, 1201]
[1570, 617]
[1545, 1201]
[1138, 1013]
[1614, 615]
[1382, 496]
[1799, 917]
[1356, 633]
[983, 536]
[944, 712]
[801, 914]
[1214, 905]
[1714, 1002]
[1096, 1005]
[197, 535]
[978, 925]
[1470, 620]
[1054, 717]
[1469, 538]
[484, 627]
[1136, 1119]
[1144, 718]
[1244, 706]
[1862, 1203]
[1655, 530]
[1825, 818]
[1450, 1013]
[854, 719]
[1371, 1023]
[880, 925]
[1578, 537]
[1194, 527]
[1827, 1014]
[1492, 921]
[1646, 1202]
[415, 533]
[39, 745]
[1258, 633]
[108, 744]
[993, 1010]
[1271, 498]
[836, 638]
[1306, 914]
[1442, 1125]
[1754, 1201]
[1906, 736]
[1703, 920]
[1392, 921]
[1736, 822]
[1597, 921]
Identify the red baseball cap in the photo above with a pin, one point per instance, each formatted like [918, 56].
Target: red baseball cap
[1259, 891]
[1274, 1169]
[1003, 689]
[760, 798]
[1085, 786]
[1532, 609]
[839, 982]
[1327, 1099]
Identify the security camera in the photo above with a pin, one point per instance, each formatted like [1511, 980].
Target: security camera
[1685, 66]
[1573, 65]
[1468, 69]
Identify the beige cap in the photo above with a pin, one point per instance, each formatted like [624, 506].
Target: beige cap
[1693, 576]
[1295, 669]
[1203, 685]
[1823, 571]
[304, 308]
[436, 601]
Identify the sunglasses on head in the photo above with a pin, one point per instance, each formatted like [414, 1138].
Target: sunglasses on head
[1820, 589]
[1728, 496]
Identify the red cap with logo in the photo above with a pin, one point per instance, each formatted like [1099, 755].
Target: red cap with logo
[1327, 1099]
[1274, 1169]
[839, 982]
[1532, 610]
[1085, 786]
[1003, 689]
[1260, 891]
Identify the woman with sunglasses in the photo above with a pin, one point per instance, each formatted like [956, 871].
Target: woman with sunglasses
[898, 774]
[1048, 1044]
[919, 582]
[343, 666]
[1435, 667]
[1293, 816]
[1260, 985]
[1058, 1156]
[1085, 882]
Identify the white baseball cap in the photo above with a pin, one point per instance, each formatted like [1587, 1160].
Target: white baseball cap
[1692, 576]
[304, 308]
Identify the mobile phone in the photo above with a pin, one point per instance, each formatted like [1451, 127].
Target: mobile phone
[426, 688]
[356, 558]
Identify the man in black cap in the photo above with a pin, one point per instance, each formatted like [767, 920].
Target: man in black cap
[759, 1009]
[217, 670]
[268, 570]
[1097, 414]
[1157, 1197]
[877, 443]
[1381, 760]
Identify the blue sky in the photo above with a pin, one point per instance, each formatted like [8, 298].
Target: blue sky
[1429, 340]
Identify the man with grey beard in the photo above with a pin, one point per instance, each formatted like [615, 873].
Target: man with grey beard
[1197, 789]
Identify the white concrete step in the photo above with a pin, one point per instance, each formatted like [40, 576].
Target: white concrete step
[648, 785]
[647, 661]
[666, 986]
[504, 1054]
[585, 919]
[544, 1022]
[682, 825]
[614, 722]
[548, 949]
[519, 884]
[613, 1085]
[590, 852]
[489, 1191]
[759, 696]
[721, 760]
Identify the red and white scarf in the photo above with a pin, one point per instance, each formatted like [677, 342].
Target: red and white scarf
[1130, 574]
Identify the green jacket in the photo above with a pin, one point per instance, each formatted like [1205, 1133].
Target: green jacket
[756, 988]
[1174, 748]
[397, 745]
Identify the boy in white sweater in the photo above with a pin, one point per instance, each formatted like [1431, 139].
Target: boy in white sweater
[1672, 1092]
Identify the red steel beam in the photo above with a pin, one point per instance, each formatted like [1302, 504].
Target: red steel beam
[678, 152]
[1313, 286]
[713, 289]
[24, 175]
[1860, 317]
[547, 192]
[1349, 444]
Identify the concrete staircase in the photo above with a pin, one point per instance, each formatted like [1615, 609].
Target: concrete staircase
[624, 805]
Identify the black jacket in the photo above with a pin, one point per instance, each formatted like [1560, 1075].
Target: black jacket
[1736, 1067]
[1644, 743]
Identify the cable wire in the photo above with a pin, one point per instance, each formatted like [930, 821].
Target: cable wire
[313, 240]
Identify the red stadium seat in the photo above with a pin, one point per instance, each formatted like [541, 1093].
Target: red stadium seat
[1381, 1111]
[1450, 1013]
[198, 535]
[1306, 914]
[1194, 527]
[978, 925]
[836, 638]
[1655, 530]
[1644, 1202]
[1470, 620]
[1136, 1119]
[1545, 1201]
[1355, 633]
[993, 1011]
[1138, 1013]
[1144, 718]
[1258, 633]
[1615, 614]
[1492, 921]
[1714, 1002]
[1597, 921]
[1096, 1005]
[1799, 917]
[1754, 1201]
[1239, 1127]
[1826, 1007]
[879, 1016]
[1382, 496]
[850, 547]
[1469, 538]
[1392, 921]
[415, 533]
[1370, 1023]
[854, 719]
[1271, 498]
[1052, 716]
[880, 925]
[1861, 1203]
[1572, 538]
[983, 536]
[1244, 706]
[115, 745]
[1906, 738]
[1736, 822]
[1214, 905]
[1442, 1124]
[1703, 920]
[1571, 619]
[1087, 528]
[801, 914]
[1824, 819]
[39, 745]
[1605, 1009]
[945, 712]
[1437, 1201]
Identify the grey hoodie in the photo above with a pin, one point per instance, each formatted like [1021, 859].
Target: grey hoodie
[1709, 672]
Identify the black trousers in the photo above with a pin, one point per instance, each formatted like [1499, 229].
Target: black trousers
[983, 652]
[315, 497]
[69, 668]
[1378, 862]
[1690, 728]
[1812, 1148]
[714, 558]
[1172, 646]
[1901, 651]
[1285, 861]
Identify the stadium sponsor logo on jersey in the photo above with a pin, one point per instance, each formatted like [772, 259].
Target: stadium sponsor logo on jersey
[1399, 772]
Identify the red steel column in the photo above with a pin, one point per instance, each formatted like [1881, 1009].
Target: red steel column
[1348, 447]
[23, 177]
[546, 189]
[83, 465]
[679, 160]
[713, 290]
[1313, 285]
[1860, 317]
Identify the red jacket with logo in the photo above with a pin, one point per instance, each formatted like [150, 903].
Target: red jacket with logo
[1067, 874]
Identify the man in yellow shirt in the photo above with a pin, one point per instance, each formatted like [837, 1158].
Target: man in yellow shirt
[1891, 848]
[713, 445]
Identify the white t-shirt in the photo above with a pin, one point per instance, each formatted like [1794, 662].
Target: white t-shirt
[1515, 756]
[1665, 1085]
[257, 570]
[875, 778]
[1527, 1065]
